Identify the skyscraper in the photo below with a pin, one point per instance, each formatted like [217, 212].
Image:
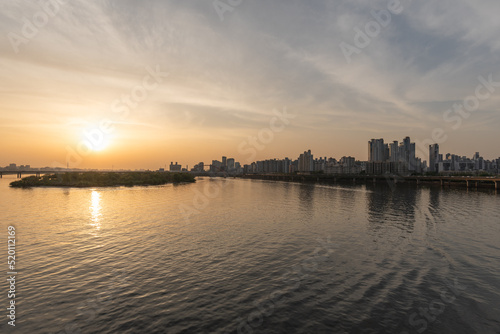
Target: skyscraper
[412, 162]
[371, 143]
[394, 151]
[433, 157]
[230, 164]
[377, 150]
[306, 163]
[406, 146]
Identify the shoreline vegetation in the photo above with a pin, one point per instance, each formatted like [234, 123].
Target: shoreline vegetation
[102, 179]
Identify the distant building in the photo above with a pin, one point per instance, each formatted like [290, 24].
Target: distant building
[175, 168]
[392, 158]
[433, 157]
[377, 150]
[200, 167]
[230, 164]
[393, 151]
[306, 163]
[346, 165]
[224, 163]
[216, 166]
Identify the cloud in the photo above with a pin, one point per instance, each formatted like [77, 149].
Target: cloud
[264, 55]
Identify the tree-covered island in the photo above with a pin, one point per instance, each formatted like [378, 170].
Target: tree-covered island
[102, 179]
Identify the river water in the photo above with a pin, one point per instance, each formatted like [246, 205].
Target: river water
[250, 256]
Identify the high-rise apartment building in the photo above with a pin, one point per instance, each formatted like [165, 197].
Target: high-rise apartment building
[230, 164]
[306, 162]
[394, 157]
[433, 157]
[377, 150]
[394, 151]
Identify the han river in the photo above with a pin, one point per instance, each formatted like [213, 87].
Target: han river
[249, 256]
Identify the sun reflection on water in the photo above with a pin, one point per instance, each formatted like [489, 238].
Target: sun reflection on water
[95, 209]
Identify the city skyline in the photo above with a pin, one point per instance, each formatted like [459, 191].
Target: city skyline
[379, 151]
[190, 81]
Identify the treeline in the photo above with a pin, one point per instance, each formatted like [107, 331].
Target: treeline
[102, 179]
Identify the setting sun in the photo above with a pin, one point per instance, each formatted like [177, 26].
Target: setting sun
[95, 139]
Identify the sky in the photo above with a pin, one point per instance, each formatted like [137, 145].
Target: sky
[138, 84]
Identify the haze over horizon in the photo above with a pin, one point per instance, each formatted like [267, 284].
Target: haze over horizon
[190, 82]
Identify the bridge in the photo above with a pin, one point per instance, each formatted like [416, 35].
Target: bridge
[19, 173]
[468, 181]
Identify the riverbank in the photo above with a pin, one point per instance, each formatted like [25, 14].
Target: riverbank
[444, 181]
[102, 179]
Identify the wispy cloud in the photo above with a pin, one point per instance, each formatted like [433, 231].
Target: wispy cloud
[265, 55]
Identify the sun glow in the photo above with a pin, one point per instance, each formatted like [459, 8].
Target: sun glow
[95, 139]
[100, 147]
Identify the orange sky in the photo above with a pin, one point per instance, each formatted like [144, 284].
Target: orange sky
[177, 83]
